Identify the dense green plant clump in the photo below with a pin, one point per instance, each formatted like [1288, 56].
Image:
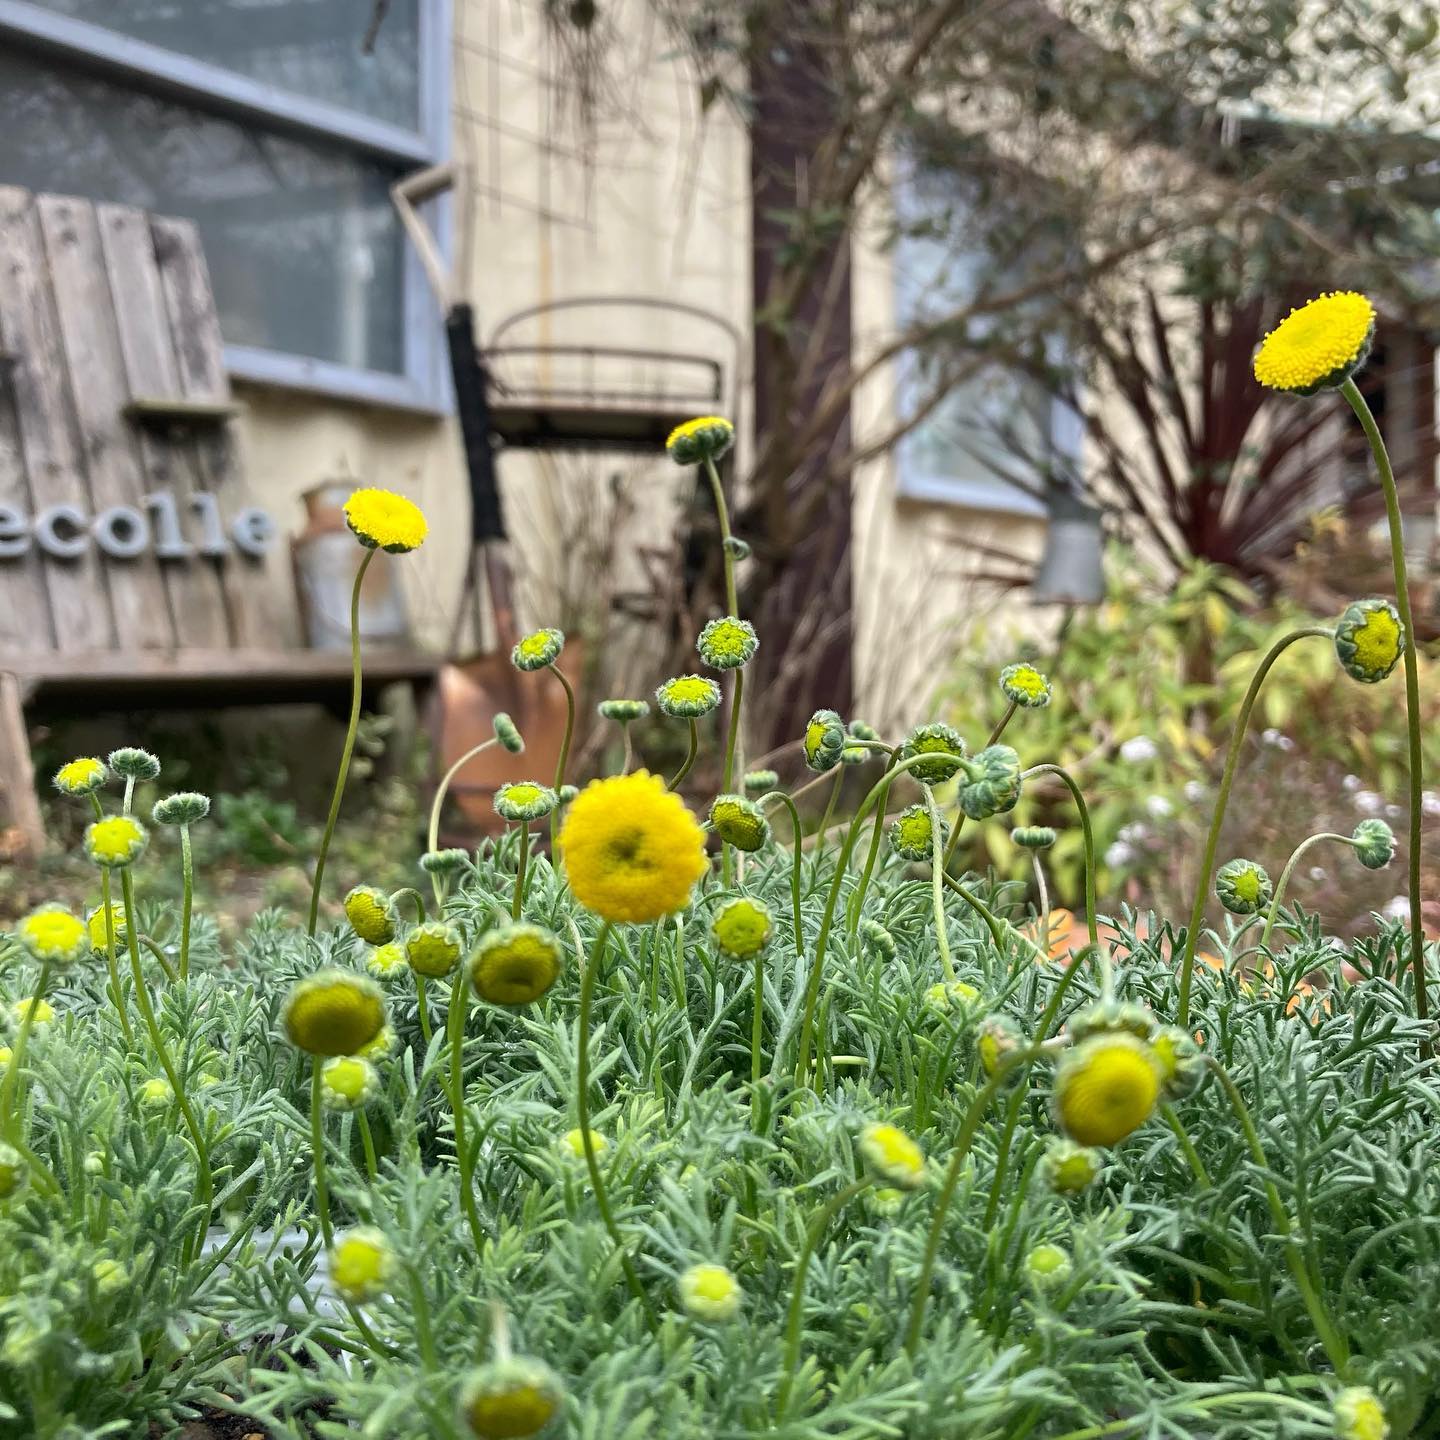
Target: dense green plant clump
[684, 1130]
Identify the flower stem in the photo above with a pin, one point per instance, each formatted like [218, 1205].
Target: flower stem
[1088, 834]
[796, 857]
[349, 748]
[422, 1006]
[937, 885]
[106, 895]
[455, 1032]
[582, 1106]
[1285, 874]
[684, 770]
[1212, 840]
[999, 929]
[9, 1087]
[1334, 1343]
[722, 513]
[1412, 683]
[518, 899]
[825, 819]
[564, 758]
[732, 741]
[995, 735]
[432, 833]
[795, 1314]
[372, 1168]
[317, 1152]
[162, 1053]
[187, 878]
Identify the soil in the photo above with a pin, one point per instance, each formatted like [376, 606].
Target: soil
[216, 1425]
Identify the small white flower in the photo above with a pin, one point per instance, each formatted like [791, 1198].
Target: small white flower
[1158, 807]
[1137, 749]
[1396, 909]
[1352, 782]
[1278, 738]
[1318, 873]
[1394, 812]
[1132, 835]
[1119, 855]
[1367, 802]
[1430, 803]
[1194, 791]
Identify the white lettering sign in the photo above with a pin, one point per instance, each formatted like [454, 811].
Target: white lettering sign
[126, 532]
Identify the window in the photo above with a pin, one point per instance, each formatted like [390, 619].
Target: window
[990, 422]
[263, 122]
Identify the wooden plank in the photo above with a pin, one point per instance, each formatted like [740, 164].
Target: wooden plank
[55, 474]
[84, 668]
[25, 621]
[193, 585]
[91, 348]
[17, 770]
[259, 595]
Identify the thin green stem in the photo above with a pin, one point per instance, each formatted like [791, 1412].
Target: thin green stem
[796, 858]
[422, 1005]
[432, 832]
[757, 1018]
[722, 513]
[684, 770]
[857, 900]
[1212, 840]
[349, 748]
[1285, 874]
[1002, 1157]
[518, 899]
[317, 1153]
[1334, 1343]
[1187, 1145]
[464, 1161]
[995, 735]
[582, 1107]
[367, 1140]
[160, 957]
[187, 902]
[564, 758]
[1000, 929]
[410, 893]
[9, 1086]
[1412, 684]
[106, 897]
[424, 1331]
[795, 1314]
[937, 885]
[727, 780]
[825, 819]
[1088, 834]
[1205, 1403]
[162, 1053]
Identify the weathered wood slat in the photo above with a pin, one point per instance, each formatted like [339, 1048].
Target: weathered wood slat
[193, 585]
[17, 771]
[257, 605]
[91, 347]
[25, 622]
[79, 616]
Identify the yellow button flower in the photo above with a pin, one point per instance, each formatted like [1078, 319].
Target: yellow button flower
[742, 927]
[334, 1013]
[573, 1145]
[538, 649]
[1318, 346]
[515, 964]
[893, 1156]
[433, 949]
[54, 936]
[347, 1083]
[739, 822]
[707, 437]
[95, 922]
[687, 697]
[361, 1264]
[371, 915]
[509, 1399]
[710, 1292]
[1369, 640]
[116, 842]
[382, 520]
[1359, 1414]
[1106, 1087]
[44, 1012]
[81, 777]
[632, 851]
[387, 961]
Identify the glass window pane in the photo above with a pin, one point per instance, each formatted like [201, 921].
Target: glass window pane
[308, 47]
[302, 241]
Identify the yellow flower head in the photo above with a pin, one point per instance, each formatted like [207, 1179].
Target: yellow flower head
[382, 520]
[387, 961]
[334, 1012]
[727, 643]
[54, 936]
[956, 995]
[1243, 887]
[741, 927]
[14, 1172]
[523, 800]
[433, 949]
[998, 1040]
[109, 1275]
[371, 915]
[538, 649]
[739, 822]
[1047, 1267]
[710, 1292]
[1025, 686]
[1318, 346]
[44, 1012]
[631, 849]
[95, 923]
[381, 1047]
[1105, 1087]
[361, 1264]
[892, 1155]
[912, 835]
[515, 964]
[6, 1056]
[572, 1144]
[156, 1093]
[1359, 1414]
[116, 842]
[687, 697]
[706, 438]
[939, 740]
[509, 1399]
[824, 741]
[347, 1083]
[1182, 1067]
[81, 777]
[1068, 1168]
[1369, 640]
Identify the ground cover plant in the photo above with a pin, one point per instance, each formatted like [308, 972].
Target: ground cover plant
[640, 1123]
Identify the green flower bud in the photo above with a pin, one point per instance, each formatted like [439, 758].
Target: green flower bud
[1369, 640]
[510, 1398]
[433, 949]
[1048, 1267]
[742, 927]
[998, 1040]
[761, 782]
[444, 862]
[371, 914]
[623, 712]
[538, 649]
[824, 740]
[705, 438]
[687, 697]
[1025, 686]
[1068, 1168]
[1107, 1017]
[515, 964]
[14, 1172]
[520, 801]
[727, 643]
[507, 734]
[132, 763]
[739, 822]
[892, 1155]
[1033, 837]
[1374, 843]
[710, 1293]
[1243, 887]
[347, 1082]
[912, 834]
[992, 785]
[736, 548]
[939, 740]
[1182, 1067]
[185, 807]
[877, 938]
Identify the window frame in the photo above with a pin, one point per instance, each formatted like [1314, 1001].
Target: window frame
[424, 384]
